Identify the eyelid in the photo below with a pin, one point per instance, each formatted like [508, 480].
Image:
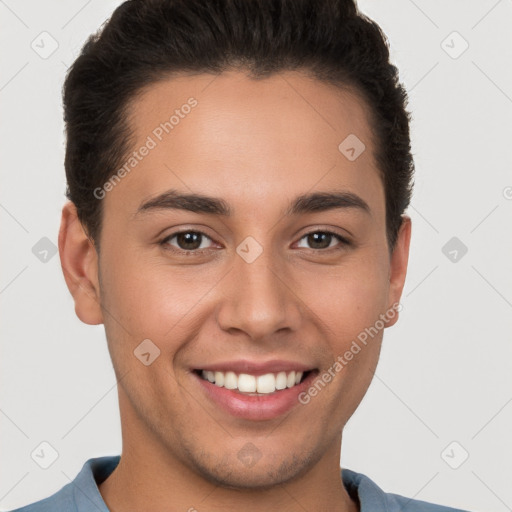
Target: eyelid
[343, 240]
[346, 238]
[166, 239]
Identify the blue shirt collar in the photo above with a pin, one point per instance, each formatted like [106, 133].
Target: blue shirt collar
[84, 493]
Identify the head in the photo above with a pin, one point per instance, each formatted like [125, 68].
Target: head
[274, 136]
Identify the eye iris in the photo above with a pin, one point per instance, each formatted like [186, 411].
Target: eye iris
[191, 240]
[188, 240]
[319, 237]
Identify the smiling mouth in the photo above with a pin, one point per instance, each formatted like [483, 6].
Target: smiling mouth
[248, 384]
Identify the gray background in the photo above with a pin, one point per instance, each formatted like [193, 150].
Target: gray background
[445, 372]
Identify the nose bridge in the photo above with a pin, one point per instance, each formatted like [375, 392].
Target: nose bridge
[259, 303]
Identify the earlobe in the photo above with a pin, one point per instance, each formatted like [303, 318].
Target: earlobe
[79, 261]
[398, 269]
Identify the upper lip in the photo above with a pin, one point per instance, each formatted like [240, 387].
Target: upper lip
[256, 367]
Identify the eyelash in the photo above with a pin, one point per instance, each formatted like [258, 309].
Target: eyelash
[198, 252]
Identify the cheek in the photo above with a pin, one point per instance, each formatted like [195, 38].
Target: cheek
[153, 299]
[149, 298]
[350, 298]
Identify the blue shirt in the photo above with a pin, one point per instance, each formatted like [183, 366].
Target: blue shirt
[82, 494]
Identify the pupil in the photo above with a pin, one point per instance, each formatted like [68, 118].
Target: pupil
[189, 240]
[315, 237]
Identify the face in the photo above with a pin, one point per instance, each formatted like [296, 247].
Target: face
[278, 266]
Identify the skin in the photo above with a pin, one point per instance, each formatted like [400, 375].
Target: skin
[257, 145]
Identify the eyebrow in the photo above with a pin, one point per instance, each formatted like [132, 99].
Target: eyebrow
[303, 204]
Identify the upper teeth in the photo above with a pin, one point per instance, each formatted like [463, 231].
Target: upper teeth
[246, 383]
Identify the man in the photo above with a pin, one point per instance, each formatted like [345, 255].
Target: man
[238, 173]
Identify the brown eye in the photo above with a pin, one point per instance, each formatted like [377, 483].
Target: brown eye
[322, 240]
[186, 241]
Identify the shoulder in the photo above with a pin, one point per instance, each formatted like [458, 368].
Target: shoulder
[81, 494]
[372, 498]
[397, 502]
[61, 500]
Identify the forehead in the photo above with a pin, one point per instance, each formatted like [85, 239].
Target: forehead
[291, 105]
[247, 139]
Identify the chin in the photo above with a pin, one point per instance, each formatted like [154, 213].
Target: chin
[254, 474]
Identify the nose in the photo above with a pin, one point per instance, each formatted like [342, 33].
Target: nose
[259, 299]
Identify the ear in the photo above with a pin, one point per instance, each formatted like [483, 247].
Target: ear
[398, 267]
[79, 261]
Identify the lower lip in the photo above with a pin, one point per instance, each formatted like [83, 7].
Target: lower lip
[251, 407]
